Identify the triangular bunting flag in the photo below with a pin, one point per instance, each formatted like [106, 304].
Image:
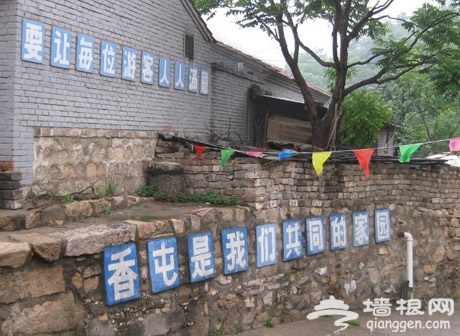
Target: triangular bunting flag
[454, 145]
[199, 150]
[254, 154]
[225, 155]
[406, 152]
[319, 158]
[364, 157]
[286, 154]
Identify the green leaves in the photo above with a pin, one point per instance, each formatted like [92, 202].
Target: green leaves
[366, 114]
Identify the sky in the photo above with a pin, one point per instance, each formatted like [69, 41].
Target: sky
[256, 43]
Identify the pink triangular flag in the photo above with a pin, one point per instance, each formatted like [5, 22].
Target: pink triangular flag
[454, 145]
[254, 154]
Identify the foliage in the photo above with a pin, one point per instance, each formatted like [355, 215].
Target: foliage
[239, 330]
[111, 190]
[421, 114]
[270, 324]
[147, 191]
[217, 332]
[440, 47]
[353, 323]
[366, 114]
[350, 21]
[210, 197]
[67, 199]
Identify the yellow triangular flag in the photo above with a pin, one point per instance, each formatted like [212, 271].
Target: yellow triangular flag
[318, 161]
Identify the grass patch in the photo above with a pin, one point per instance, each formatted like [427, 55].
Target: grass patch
[211, 197]
[353, 323]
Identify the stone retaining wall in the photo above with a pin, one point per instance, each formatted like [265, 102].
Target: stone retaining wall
[71, 160]
[61, 273]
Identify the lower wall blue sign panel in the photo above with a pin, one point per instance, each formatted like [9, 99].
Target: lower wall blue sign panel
[267, 248]
[201, 257]
[235, 249]
[121, 274]
[163, 264]
[316, 236]
[292, 240]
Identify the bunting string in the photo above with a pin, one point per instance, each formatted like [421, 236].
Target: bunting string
[363, 156]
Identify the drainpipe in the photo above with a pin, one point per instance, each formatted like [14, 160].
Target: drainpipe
[410, 264]
[410, 259]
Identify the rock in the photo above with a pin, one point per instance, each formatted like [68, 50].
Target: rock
[321, 271]
[451, 255]
[143, 228]
[92, 240]
[31, 284]
[429, 269]
[13, 223]
[13, 254]
[438, 254]
[178, 225]
[47, 318]
[100, 328]
[78, 209]
[53, 215]
[46, 247]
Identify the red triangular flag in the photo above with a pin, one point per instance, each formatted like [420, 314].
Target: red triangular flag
[199, 150]
[364, 157]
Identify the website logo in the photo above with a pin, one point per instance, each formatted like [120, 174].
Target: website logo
[332, 306]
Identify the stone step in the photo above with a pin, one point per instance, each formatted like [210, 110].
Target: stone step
[56, 214]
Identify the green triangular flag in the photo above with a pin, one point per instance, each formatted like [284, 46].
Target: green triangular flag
[225, 153]
[406, 152]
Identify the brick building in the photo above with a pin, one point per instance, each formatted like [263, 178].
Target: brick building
[86, 86]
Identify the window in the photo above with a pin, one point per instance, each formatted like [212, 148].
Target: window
[189, 46]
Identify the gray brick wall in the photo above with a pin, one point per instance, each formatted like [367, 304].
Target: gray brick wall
[8, 46]
[40, 95]
[48, 96]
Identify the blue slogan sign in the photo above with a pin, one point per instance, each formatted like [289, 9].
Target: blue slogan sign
[201, 257]
[235, 248]
[382, 225]
[33, 41]
[267, 249]
[292, 240]
[163, 264]
[360, 228]
[60, 47]
[316, 236]
[338, 225]
[121, 274]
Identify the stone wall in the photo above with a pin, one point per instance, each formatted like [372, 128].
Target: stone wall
[73, 160]
[62, 270]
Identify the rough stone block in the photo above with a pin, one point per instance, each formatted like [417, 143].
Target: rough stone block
[13, 254]
[48, 318]
[31, 284]
[46, 247]
[53, 215]
[12, 223]
[93, 239]
[10, 185]
[11, 204]
[10, 176]
[78, 209]
[11, 195]
[143, 228]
